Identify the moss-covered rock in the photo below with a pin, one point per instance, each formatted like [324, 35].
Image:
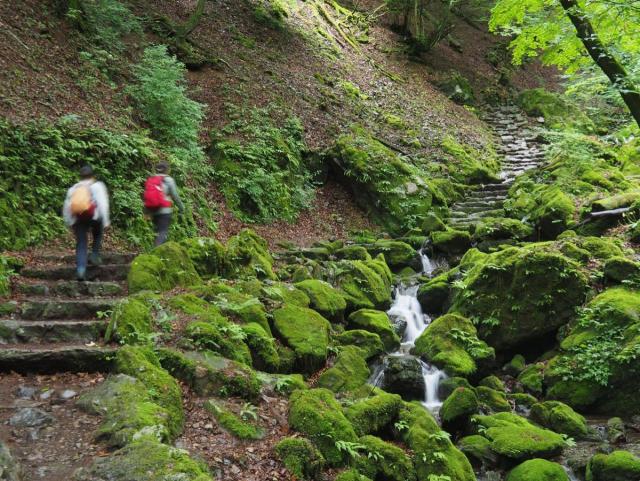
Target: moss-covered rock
[532, 377]
[300, 457]
[324, 299]
[397, 254]
[451, 242]
[349, 371]
[208, 255]
[219, 338]
[434, 295]
[515, 366]
[469, 165]
[369, 342]
[560, 418]
[538, 470]
[492, 400]
[557, 111]
[209, 374]
[248, 256]
[317, 415]
[374, 414]
[164, 268]
[478, 449]
[365, 284]
[618, 270]
[520, 293]
[238, 427]
[502, 228]
[262, 346]
[494, 382]
[142, 364]
[461, 404]
[432, 223]
[145, 461]
[451, 343]
[404, 375]
[306, 332]
[130, 323]
[351, 475]
[516, 438]
[383, 460]
[617, 466]
[377, 322]
[283, 293]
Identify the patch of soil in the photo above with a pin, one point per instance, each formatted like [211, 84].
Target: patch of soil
[54, 451]
[229, 458]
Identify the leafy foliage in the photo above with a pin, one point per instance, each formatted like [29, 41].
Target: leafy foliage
[106, 22]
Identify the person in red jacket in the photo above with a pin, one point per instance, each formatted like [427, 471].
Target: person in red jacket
[160, 194]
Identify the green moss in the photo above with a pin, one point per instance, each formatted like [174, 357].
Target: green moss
[130, 323]
[283, 384]
[146, 461]
[461, 404]
[208, 255]
[468, 165]
[451, 342]
[384, 461]
[164, 268]
[317, 415]
[248, 256]
[520, 293]
[493, 382]
[263, 350]
[531, 378]
[324, 299]
[434, 295]
[369, 342]
[349, 371]
[492, 400]
[142, 364]
[515, 366]
[478, 449]
[432, 223]
[557, 111]
[239, 428]
[397, 254]
[516, 438]
[351, 475]
[285, 294]
[617, 466]
[217, 337]
[620, 269]
[374, 414]
[522, 400]
[306, 332]
[377, 322]
[538, 470]
[365, 284]
[354, 253]
[208, 374]
[451, 242]
[560, 418]
[502, 228]
[300, 457]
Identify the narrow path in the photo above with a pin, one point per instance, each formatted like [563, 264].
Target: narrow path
[521, 151]
[57, 324]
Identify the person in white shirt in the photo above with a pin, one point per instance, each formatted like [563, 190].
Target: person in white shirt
[95, 219]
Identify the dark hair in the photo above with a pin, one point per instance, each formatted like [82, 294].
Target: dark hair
[162, 167]
[86, 172]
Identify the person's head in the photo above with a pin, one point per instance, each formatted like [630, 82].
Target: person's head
[162, 167]
[86, 172]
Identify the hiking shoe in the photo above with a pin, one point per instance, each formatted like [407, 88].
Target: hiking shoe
[95, 260]
[81, 275]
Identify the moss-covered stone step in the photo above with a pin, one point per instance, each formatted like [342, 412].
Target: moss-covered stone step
[107, 272]
[59, 358]
[35, 332]
[71, 288]
[64, 309]
[107, 258]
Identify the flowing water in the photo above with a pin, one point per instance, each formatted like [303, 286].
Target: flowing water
[407, 310]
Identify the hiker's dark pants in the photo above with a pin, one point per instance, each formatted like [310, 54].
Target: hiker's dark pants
[161, 223]
[81, 229]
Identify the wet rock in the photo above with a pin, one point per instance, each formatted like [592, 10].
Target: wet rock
[9, 467]
[616, 432]
[403, 375]
[26, 392]
[68, 394]
[31, 417]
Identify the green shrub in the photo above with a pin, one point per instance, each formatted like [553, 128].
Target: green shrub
[105, 22]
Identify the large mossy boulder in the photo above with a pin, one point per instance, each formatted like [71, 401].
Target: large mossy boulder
[264, 353]
[532, 378]
[560, 418]
[383, 460]
[478, 449]
[403, 375]
[365, 284]
[377, 322]
[369, 342]
[349, 371]
[162, 269]
[557, 111]
[131, 322]
[461, 404]
[520, 294]
[397, 254]
[500, 228]
[316, 414]
[306, 332]
[538, 470]
[145, 461]
[208, 255]
[451, 343]
[301, 458]
[618, 270]
[451, 242]
[248, 256]
[434, 294]
[324, 299]
[517, 439]
[375, 414]
[392, 190]
[617, 466]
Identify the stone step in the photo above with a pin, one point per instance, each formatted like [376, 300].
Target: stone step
[107, 272]
[477, 215]
[47, 309]
[470, 210]
[36, 332]
[477, 204]
[23, 358]
[107, 258]
[71, 289]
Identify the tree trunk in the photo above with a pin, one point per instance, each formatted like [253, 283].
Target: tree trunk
[183, 31]
[603, 58]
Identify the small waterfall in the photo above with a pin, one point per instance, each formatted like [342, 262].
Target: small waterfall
[407, 309]
[571, 474]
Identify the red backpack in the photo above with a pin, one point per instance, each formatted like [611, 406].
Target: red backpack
[154, 197]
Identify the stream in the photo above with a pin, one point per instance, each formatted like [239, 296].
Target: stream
[406, 310]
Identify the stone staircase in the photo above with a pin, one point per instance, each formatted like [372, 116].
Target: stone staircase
[55, 323]
[521, 150]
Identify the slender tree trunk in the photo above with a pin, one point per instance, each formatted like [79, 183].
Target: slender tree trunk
[603, 57]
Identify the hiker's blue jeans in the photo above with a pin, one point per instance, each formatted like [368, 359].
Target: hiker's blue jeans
[81, 229]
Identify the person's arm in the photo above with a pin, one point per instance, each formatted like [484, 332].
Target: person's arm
[101, 197]
[69, 220]
[173, 193]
